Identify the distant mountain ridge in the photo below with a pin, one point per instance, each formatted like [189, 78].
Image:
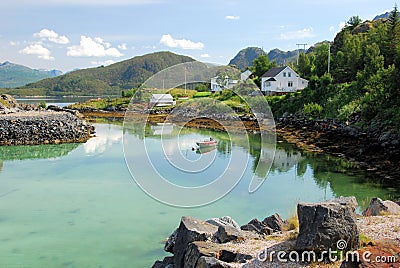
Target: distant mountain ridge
[109, 80]
[15, 75]
[246, 56]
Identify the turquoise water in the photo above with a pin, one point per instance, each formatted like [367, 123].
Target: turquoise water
[76, 205]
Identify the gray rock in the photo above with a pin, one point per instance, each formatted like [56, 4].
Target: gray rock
[274, 222]
[242, 258]
[168, 262]
[378, 207]
[227, 256]
[256, 226]
[210, 262]
[322, 225]
[169, 245]
[190, 230]
[198, 249]
[224, 221]
[228, 233]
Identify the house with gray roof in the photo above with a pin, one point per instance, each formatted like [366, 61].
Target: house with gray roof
[282, 80]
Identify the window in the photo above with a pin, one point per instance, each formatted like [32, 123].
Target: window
[289, 74]
[284, 74]
[267, 84]
[290, 84]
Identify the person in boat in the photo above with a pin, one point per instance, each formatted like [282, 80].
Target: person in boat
[211, 139]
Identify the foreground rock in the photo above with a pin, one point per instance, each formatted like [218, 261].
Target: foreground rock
[219, 242]
[42, 127]
[323, 225]
[378, 207]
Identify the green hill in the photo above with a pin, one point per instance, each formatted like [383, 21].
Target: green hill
[109, 80]
[15, 75]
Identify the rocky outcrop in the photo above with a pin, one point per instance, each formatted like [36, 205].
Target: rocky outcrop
[378, 207]
[42, 127]
[323, 225]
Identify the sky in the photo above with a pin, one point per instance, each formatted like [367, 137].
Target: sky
[70, 34]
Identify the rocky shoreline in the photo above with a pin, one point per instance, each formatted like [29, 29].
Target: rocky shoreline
[330, 226]
[33, 125]
[376, 150]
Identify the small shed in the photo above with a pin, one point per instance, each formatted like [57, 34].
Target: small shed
[161, 100]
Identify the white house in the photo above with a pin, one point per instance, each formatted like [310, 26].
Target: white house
[228, 82]
[161, 100]
[281, 80]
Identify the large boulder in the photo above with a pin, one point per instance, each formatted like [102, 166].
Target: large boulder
[211, 262]
[190, 230]
[170, 243]
[167, 262]
[323, 225]
[378, 207]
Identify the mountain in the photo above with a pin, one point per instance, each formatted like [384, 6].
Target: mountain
[283, 57]
[109, 80]
[15, 75]
[246, 56]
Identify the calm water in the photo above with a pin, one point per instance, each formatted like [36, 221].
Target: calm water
[78, 206]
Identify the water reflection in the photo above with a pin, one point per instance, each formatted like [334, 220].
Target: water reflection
[99, 144]
[330, 174]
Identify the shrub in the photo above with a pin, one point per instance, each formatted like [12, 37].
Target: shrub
[312, 109]
[43, 105]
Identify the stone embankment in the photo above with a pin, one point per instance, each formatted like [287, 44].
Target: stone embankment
[31, 125]
[324, 229]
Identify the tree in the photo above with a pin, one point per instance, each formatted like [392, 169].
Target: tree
[261, 65]
[321, 59]
[304, 67]
[353, 22]
[393, 35]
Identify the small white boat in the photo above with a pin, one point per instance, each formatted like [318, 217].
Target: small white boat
[207, 143]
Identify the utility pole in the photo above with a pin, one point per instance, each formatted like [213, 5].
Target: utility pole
[298, 51]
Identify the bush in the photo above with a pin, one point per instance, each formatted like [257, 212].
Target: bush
[312, 109]
[43, 105]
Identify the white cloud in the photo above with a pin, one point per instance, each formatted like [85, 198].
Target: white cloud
[52, 36]
[230, 17]
[169, 41]
[300, 34]
[14, 43]
[96, 47]
[205, 55]
[123, 46]
[105, 63]
[331, 29]
[39, 50]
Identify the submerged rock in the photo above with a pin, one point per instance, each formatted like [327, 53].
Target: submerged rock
[378, 207]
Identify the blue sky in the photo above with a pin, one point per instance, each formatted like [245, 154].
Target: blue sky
[69, 34]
